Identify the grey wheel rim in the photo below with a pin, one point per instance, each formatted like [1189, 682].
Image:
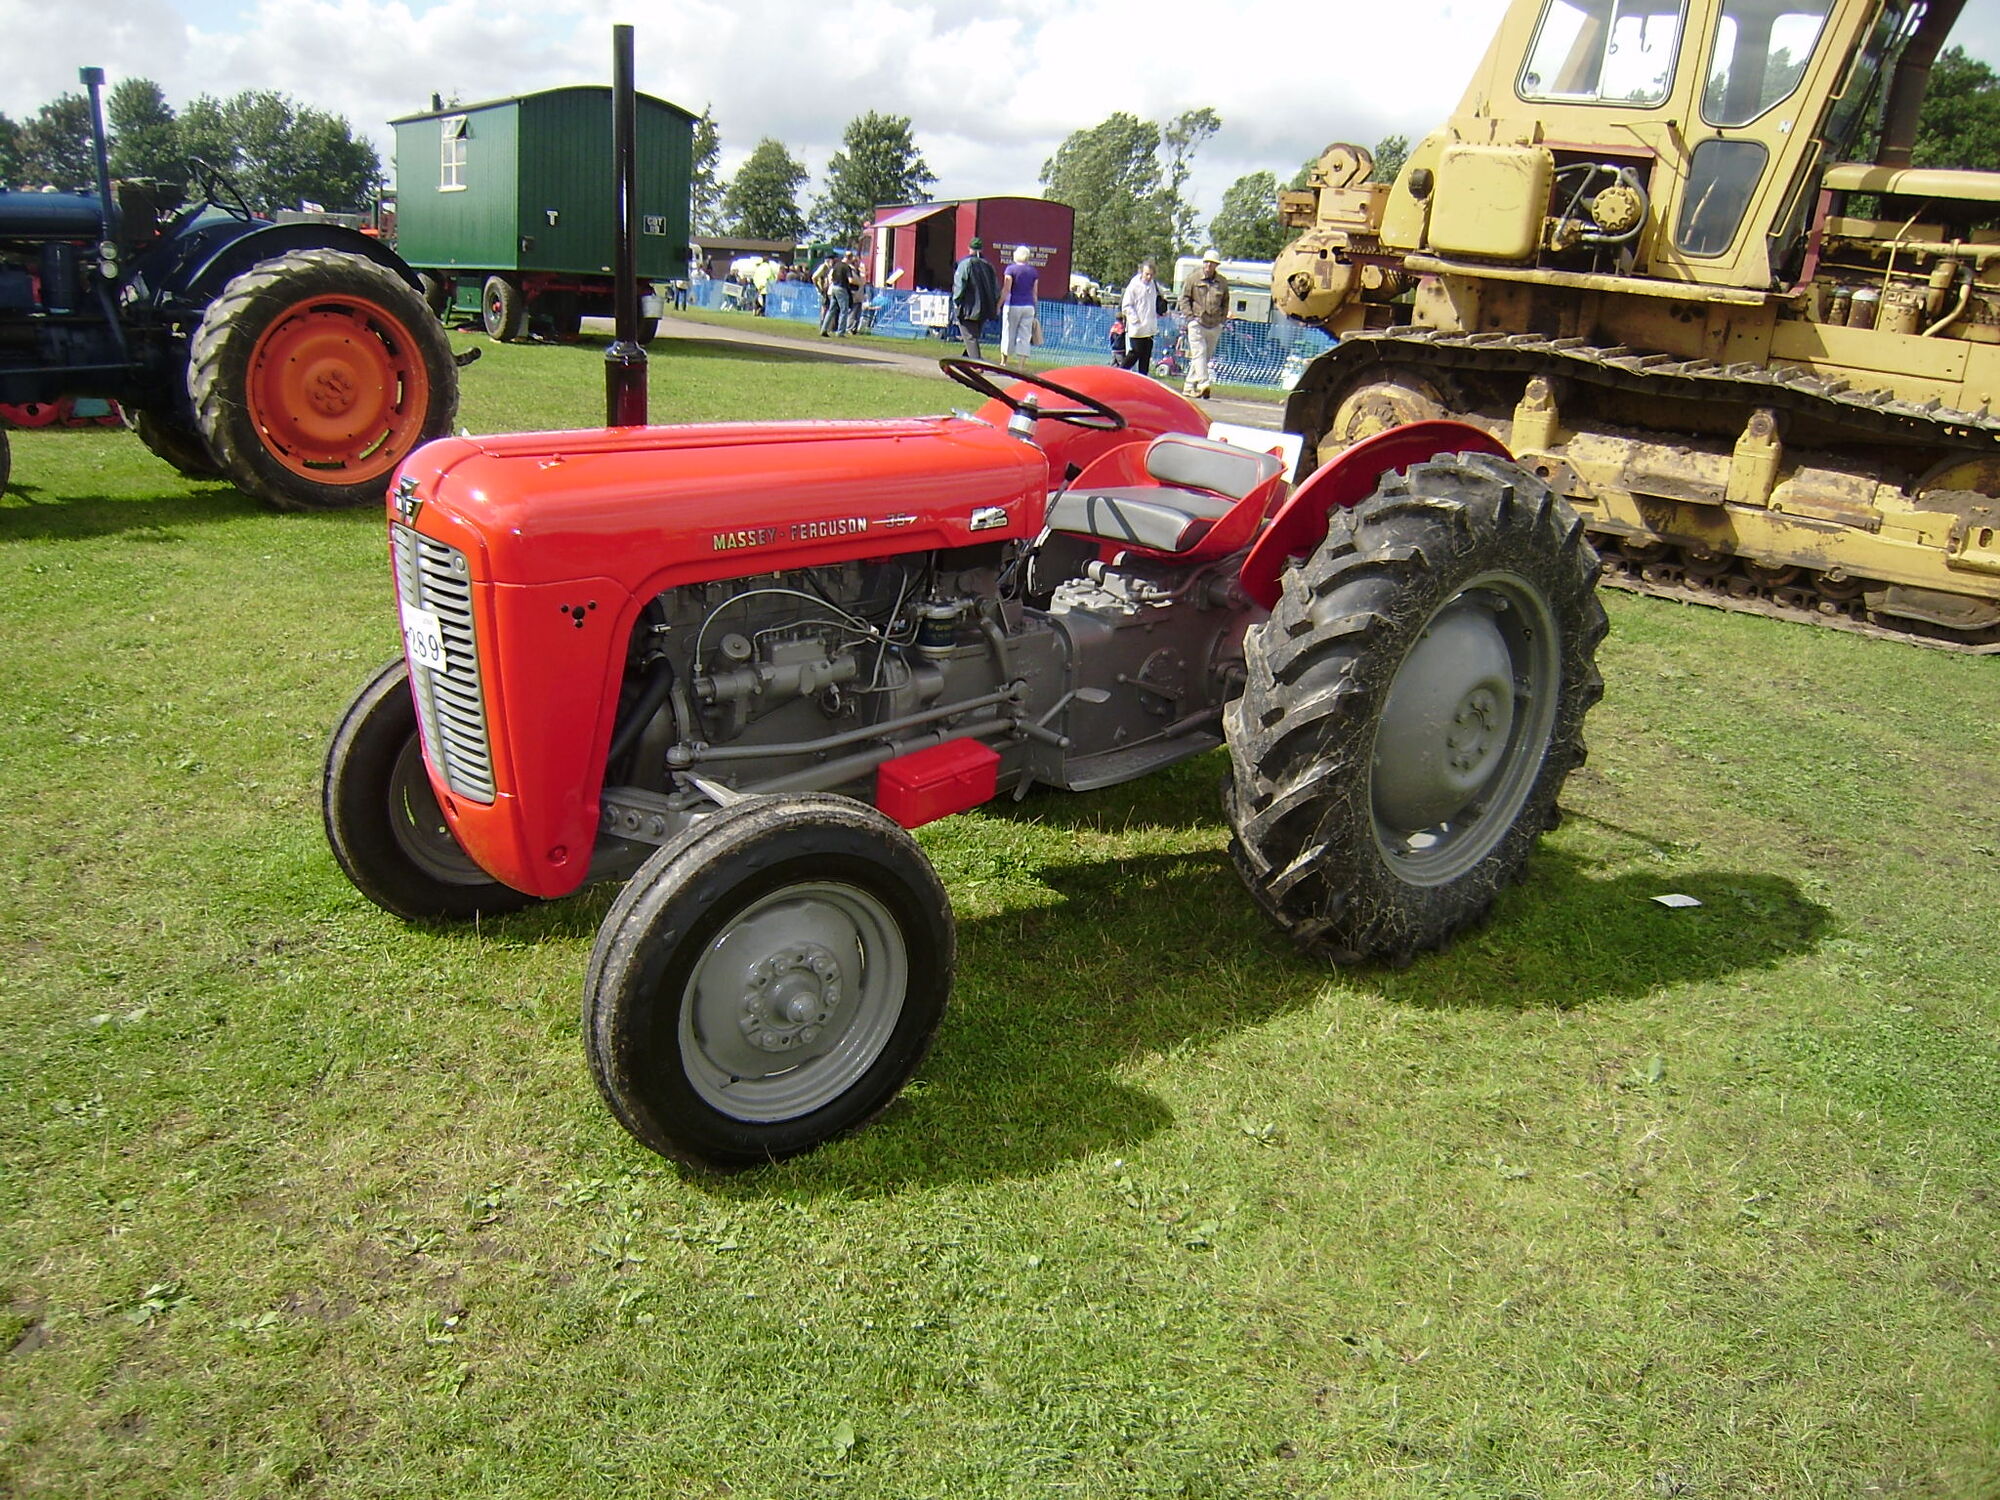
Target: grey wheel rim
[1464, 729]
[793, 1001]
[418, 824]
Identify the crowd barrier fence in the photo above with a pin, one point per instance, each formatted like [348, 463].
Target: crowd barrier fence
[1257, 354]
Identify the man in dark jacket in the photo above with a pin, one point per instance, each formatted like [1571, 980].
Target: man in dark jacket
[975, 296]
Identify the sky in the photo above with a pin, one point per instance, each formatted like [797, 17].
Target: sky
[991, 86]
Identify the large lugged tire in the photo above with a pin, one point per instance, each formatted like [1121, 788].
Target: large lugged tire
[314, 374]
[168, 436]
[768, 980]
[383, 821]
[1412, 709]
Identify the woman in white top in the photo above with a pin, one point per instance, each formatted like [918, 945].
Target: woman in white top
[1141, 306]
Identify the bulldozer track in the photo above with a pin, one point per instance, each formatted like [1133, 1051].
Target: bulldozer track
[1666, 572]
[1876, 413]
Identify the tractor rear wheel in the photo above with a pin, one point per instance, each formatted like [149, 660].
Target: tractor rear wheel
[314, 374]
[6, 462]
[383, 820]
[769, 979]
[503, 308]
[167, 436]
[1412, 709]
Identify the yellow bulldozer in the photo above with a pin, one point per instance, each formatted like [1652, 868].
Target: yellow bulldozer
[1643, 254]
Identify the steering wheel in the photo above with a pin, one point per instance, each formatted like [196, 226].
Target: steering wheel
[1088, 412]
[209, 180]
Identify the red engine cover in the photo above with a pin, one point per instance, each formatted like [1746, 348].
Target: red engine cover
[567, 535]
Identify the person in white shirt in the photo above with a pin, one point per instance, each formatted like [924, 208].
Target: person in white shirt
[1142, 304]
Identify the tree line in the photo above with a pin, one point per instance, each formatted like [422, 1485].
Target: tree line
[277, 152]
[1125, 177]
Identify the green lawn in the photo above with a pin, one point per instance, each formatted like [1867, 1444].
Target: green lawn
[1611, 1200]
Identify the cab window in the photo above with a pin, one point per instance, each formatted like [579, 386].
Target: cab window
[1721, 179]
[1603, 52]
[1761, 51]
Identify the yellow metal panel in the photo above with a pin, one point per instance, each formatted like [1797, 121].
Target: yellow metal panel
[1490, 200]
[1902, 354]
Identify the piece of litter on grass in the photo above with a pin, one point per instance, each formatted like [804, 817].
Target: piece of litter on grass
[1676, 899]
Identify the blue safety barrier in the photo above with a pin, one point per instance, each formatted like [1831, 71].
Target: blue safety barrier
[1266, 354]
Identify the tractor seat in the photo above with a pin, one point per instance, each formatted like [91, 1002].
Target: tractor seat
[1200, 482]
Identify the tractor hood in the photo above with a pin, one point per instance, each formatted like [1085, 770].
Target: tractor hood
[656, 507]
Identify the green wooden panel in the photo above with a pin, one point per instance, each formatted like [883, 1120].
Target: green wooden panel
[474, 225]
[568, 201]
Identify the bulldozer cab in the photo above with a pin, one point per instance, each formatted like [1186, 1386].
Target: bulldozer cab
[1674, 139]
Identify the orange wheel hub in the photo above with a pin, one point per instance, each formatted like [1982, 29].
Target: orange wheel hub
[336, 385]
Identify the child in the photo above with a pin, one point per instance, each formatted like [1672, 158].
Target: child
[1118, 341]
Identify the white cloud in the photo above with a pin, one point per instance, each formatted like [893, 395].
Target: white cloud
[992, 86]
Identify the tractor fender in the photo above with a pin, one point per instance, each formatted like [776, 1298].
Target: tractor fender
[1301, 522]
[200, 277]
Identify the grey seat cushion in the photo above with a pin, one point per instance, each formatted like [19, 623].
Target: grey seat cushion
[1164, 520]
[1200, 482]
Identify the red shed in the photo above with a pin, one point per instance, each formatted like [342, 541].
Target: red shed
[913, 247]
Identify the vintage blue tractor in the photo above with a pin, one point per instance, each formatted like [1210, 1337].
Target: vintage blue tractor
[297, 361]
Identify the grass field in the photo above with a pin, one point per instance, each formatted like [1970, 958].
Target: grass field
[1610, 1200]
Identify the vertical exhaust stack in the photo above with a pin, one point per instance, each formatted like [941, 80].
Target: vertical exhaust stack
[625, 360]
[100, 151]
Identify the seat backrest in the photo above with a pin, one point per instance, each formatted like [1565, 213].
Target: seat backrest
[1204, 464]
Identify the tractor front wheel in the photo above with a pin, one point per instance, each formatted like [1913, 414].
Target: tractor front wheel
[314, 374]
[1412, 708]
[768, 980]
[383, 820]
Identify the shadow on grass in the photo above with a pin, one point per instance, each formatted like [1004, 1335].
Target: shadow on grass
[1166, 953]
[48, 517]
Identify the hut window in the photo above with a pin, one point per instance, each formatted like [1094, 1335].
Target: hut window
[452, 135]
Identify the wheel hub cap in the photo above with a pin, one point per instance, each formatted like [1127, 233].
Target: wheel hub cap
[1447, 721]
[790, 997]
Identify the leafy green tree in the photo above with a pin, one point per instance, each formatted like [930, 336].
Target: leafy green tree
[10, 152]
[281, 154]
[1246, 227]
[705, 183]
[145, 134]
[1960, 123]
[1110, 174]
[1182, 137]
[1390, 154]
[55, 145]
[879, 163]
[762, 200]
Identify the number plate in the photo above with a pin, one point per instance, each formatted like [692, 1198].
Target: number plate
[423, 638]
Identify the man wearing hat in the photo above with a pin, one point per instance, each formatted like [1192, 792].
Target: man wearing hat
[1204, 307]
[975, 295]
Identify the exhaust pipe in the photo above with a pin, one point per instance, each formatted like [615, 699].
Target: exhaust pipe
[625, 360]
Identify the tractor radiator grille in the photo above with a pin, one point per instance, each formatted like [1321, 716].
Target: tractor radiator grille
[432, 576]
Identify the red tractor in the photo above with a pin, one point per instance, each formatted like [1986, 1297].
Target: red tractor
[733, 664]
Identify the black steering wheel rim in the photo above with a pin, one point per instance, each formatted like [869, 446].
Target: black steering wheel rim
[1089, 413]
[215, 187]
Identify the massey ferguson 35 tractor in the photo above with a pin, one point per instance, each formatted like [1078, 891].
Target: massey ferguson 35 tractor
[733, 664]
[298, 361]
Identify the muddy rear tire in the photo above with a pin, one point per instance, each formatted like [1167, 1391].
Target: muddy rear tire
[1413, 706]
[314, 374]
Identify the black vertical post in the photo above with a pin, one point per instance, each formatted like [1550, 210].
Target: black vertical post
[93, 83]
[625, 360]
